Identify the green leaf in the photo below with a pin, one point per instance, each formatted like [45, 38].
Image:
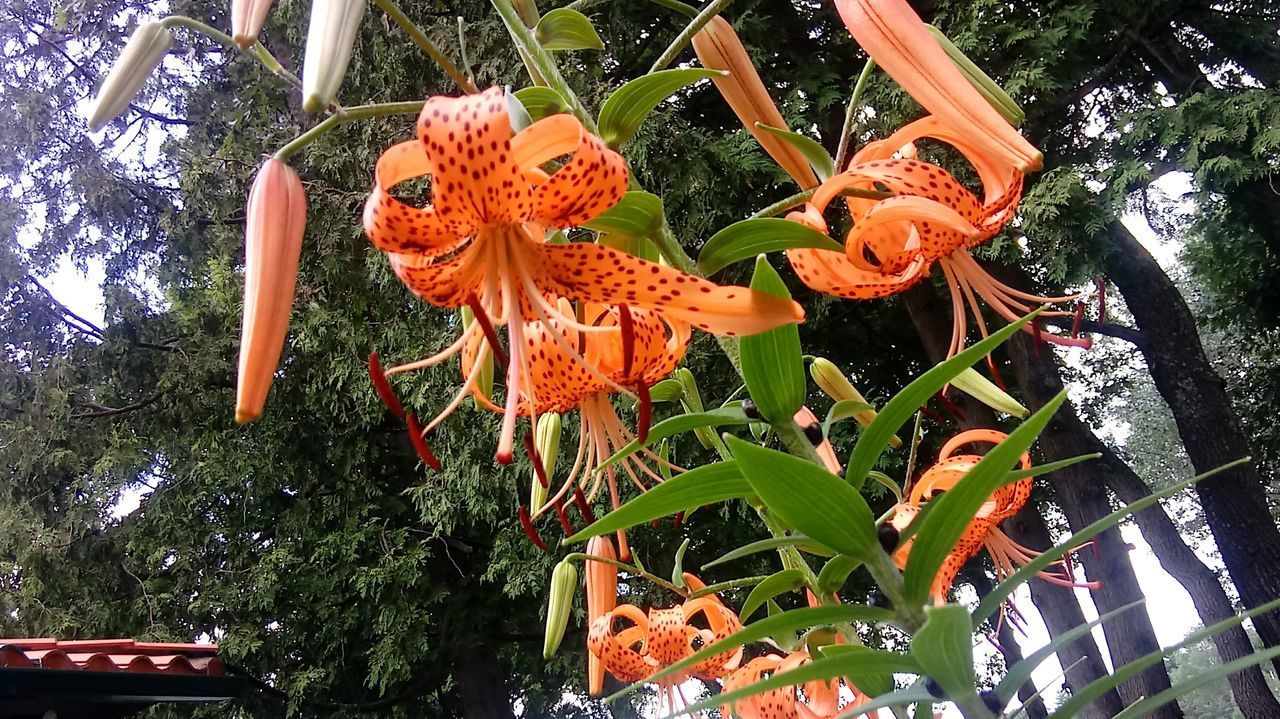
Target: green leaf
[1145, 707]
[888, 482]
[625, 110]
[779, 624]
[872, 684]
[842, 664]
[836, 572]
[992, 601]
[748, 238]
[681, 423]
[668, 390]
[817, 155]
[873, 440]
[634, 216]
[1082, 697]
[1019, 673]
[567, 29]
[763, 545]
[842, 410]
[707, 484]
[955, 509]
[633, 245]
[787, 580]
[944, 648]
[541, 102]
[677, 571]
[808, 497]
[772, 363]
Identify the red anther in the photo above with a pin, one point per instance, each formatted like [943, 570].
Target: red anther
[628, 340]
[580, 499]
[1075, 323]
[951, 407]
[644, 413]
[486, 326]
[420, 443]
[677, 520]
[536, 458]
[655, 522]
[563, 516]
[933, 415]
[529, 530]
[995, 374]
[1035, 333]
[1101, 282]
[383, 387]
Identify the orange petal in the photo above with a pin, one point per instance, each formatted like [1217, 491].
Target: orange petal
[276, 218]
[833, 273]
[596, 273]
[900, 228]
[443, 283]
[892, 34]
[475, 177]
[392, 225]
[592, 181]
[718, 48]
[617, 652]
[546, 140]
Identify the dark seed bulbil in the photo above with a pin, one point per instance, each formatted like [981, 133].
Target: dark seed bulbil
[888, 536]
[750, 409]
[814, 433]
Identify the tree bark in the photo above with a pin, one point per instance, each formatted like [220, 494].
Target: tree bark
[1081, 660]
[1011, 651]
[483, 687]
[1234, 501]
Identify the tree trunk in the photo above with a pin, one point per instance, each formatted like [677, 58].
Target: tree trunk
[1234, 501]
[483, 687]
[1011, 651]
[1081, 660]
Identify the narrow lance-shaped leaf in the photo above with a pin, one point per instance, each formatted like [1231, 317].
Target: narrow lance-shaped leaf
[635, 215]
[567, 29]
[764, 545]
[772, 363]
[814, 153]
[726, 416]
[787, 580]
[541, 102]
[944, 648]
[625, 110]
[707, 484]
[749, 238]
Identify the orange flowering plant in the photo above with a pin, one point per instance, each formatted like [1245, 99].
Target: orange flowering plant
[571, 297]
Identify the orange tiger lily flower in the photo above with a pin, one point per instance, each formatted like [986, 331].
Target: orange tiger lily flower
[897, 39]
[984, 530]
[718, 48]
[663, 637]
[481, 241]
[275, 221]
[820, 699]
[929, 219]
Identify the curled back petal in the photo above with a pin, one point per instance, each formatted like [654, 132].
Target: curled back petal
[394, 226]
[443, 283]
[593, 180]
[618, 652]
[596, 273]
[899, 228]
[833, 273]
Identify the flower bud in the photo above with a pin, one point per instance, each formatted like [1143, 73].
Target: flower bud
[247, 18]
[331, 38]
[564, 584]
[482, 388]
[837, 386]
[718, 48]
[981, 81]
[972, 383]
[602, 597]
[276, 217]
[142, 54]
[546, 440]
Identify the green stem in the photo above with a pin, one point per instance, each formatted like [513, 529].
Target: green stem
[462, 48]
[846, 132]
[582, 557]
[889, 578]
[723, 586]
[257, 51]
[800, 198]
[540, 60]
[421, 40]
[349, 114]
[972, 707]
[686, 35]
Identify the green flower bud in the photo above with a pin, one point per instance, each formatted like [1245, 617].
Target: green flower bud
[546, 440]
[330, 39]
[142, 54]
[564, 584]
[985, 391]
[832, 381]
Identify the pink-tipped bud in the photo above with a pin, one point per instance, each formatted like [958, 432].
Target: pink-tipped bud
[247, 19]
[276, 217]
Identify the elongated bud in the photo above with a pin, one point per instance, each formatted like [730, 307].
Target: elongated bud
[141, 56]
[832, 381]
[546, 440]
[718, 48]
[602, 597]
[981, 81]
[247, 19]
[985, 391]
[483, 386]
[564, 584]
[331, 38]
[276, 218]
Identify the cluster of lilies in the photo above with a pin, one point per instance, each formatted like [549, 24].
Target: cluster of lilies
[585, 323]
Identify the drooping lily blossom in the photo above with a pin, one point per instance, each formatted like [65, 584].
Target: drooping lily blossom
[820, 699]
[718, 48]
[602, 597]
[247, 19]
[984, 529]
[928, 219]
[275, 220]
[481, 241]
[649, 642]
[900, 43]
